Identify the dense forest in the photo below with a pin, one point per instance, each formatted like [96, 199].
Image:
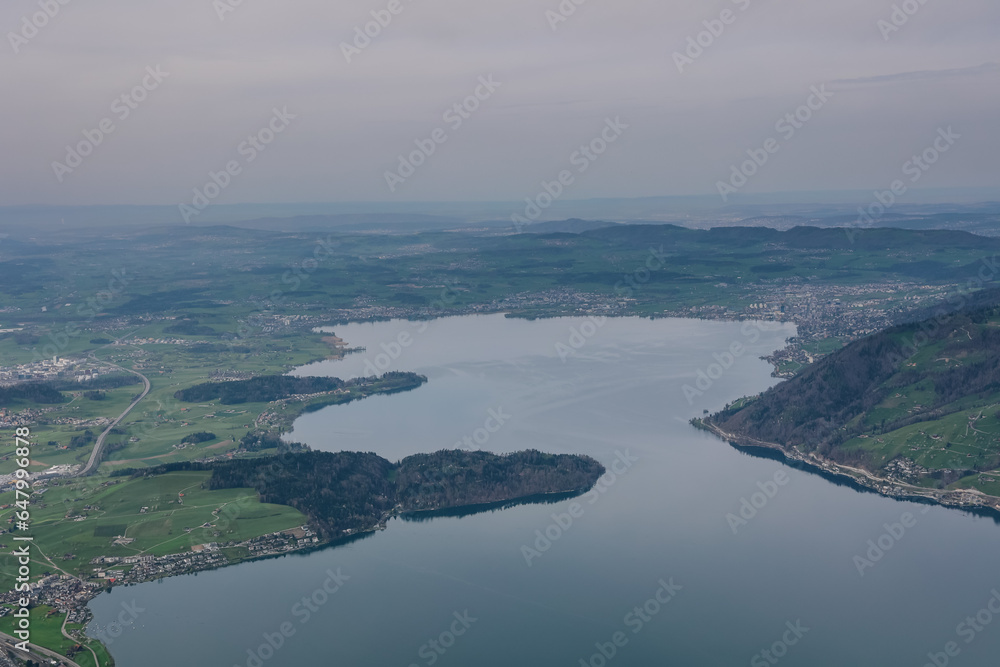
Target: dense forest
[190, 327]
[257, 390]
[196, 438]
[338, 492]
[950, 360]
[31, 392]
[110, 381]
[458, 478]
[349, 492]
[269, 388]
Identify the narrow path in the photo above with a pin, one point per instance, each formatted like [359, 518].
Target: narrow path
[74, 639]
[53, 564]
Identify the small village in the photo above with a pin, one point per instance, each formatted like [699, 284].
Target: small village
[69, 594]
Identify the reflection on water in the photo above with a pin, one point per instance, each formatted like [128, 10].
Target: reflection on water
[473, 510]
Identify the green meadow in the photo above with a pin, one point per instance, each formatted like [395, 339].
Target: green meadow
[77, 521]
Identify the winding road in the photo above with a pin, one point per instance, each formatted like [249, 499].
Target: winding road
[74, 639]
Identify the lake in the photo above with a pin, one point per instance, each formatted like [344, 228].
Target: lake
[688, 552]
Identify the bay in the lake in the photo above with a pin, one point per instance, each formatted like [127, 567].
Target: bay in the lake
[536, 585]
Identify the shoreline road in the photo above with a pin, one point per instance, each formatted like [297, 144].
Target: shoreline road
[95, 456]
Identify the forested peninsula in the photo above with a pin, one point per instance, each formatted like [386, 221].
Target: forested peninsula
[347, 493]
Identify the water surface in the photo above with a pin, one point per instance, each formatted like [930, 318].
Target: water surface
[618, 396]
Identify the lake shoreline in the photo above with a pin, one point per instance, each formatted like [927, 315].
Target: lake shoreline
[862, 480]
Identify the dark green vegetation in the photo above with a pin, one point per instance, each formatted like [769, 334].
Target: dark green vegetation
[210, 278]
[113, 381]
[276, 387]
[49, 393]
[257, 390]
[348, 492]
[30, 392]
[197, 438]
[450, 479]
[917, 402]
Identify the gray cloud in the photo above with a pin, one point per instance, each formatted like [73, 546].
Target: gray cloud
[607, 59]
[986, 69]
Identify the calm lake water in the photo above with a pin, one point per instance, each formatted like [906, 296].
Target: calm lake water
[459, 591]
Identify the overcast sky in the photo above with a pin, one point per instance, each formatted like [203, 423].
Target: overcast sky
[609, 59]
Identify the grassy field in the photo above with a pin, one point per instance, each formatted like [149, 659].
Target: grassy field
[164, 514]
[959, 441]
[152, 434]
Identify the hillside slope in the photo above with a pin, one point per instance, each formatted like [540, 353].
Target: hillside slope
[917, 404]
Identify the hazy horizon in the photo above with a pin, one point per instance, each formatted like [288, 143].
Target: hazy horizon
[209, 78]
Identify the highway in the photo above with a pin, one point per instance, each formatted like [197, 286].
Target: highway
[38, 653]
[95, 456]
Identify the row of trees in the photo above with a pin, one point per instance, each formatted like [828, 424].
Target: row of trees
[257, 390]
[276, 387]
[31, 392]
